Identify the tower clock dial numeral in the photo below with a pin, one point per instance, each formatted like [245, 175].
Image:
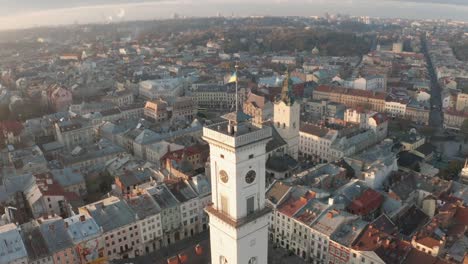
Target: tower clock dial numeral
[250, 176]
[223, 176]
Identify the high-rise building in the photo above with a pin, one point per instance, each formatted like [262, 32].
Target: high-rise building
[286, 117]
[238, 216]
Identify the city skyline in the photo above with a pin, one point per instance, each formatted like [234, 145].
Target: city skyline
[25, 14]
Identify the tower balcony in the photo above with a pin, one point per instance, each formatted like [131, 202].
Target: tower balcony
[243, 134]
[236, 223]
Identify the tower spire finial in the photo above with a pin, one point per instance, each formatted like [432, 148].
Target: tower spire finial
[287, 94]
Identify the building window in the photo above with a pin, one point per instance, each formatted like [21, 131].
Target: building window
[251, 156]
[250, 205]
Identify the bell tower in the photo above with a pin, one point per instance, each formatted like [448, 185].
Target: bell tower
[286, 117]
[238, 216]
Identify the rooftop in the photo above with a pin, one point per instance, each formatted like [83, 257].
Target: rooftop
[352, 92]
[67, 176]
[11, 244]
[111, 213]
[241, 134]
[331, 220]
[143, 205]
[35, 243]
[389, 248]
[367, 202]
[277, 191]
[311, 212]
[55, 235]
[291, 205]
[81, 228]
[163, 196]
[347, 233]
[182, 191]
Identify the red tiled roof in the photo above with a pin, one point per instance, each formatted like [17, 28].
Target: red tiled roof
[417, 257]
[315, 130]
[50, 187]
[462, 215]
[380, 118]
[257, 100]
[351, 91]
[189, 151]
[292, 204]
[14, 127]
[389, 248]
[367, 202]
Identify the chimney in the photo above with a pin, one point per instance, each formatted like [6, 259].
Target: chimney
[330, 215]
[66, 224]
[82, 218]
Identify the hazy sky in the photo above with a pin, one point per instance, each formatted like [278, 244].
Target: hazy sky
[27, 13]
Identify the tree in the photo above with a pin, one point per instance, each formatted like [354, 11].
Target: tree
[454, 167]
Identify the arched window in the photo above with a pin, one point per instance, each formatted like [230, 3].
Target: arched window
[253, 260]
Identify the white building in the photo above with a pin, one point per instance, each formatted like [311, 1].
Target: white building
[284, 59]
[149, 221]
[360, 117]
[169, 88]
[119, 227]
[374, 165]
[315, 142]
[376, 83]
[286, 117]
[238, 216]
[189, 206]
[396, 108]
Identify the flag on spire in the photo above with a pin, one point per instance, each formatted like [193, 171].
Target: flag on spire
[233, 78]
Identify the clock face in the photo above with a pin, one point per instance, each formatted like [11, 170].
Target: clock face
[223, 176]
[250, 176]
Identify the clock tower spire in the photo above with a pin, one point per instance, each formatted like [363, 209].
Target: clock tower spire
[286, 117]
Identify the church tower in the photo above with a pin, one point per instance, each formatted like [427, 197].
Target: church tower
[286, 117]
[238, 216]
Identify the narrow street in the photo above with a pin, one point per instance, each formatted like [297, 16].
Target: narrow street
[436, 115]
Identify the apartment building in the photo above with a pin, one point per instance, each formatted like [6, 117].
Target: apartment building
[120, 229]
[352, 97]
[148, 221]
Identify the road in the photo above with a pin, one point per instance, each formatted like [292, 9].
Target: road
[436, 116]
